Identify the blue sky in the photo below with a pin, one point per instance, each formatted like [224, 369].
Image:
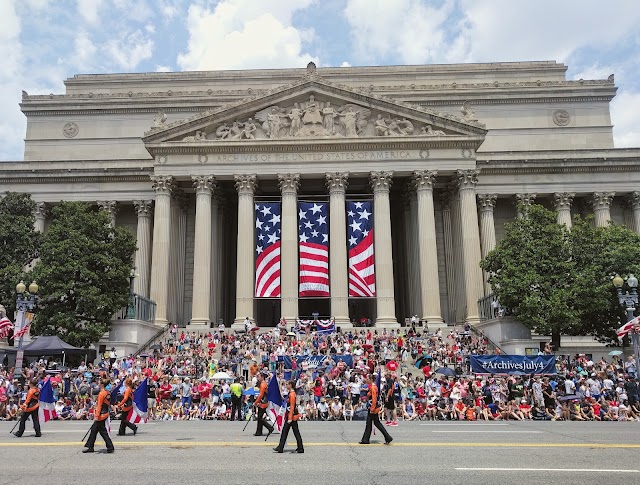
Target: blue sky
[42, 42]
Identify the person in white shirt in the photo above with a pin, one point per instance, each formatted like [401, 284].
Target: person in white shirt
[569, 386]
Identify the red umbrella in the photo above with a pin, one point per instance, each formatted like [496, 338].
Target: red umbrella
[392, 365]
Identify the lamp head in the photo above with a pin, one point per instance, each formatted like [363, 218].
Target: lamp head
[617, 281]
[33, 288]
[632, 281]
[21, 287]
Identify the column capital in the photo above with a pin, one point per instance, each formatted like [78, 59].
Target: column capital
[41, 210]
[634, 200]
[424, 179]
[487, 202]
[245, 183]
[109, 206]
[144, 208]
[204, 184]
[337, 182]
[563, 200]
[602, 200]
[467, 179]
[289, 183]
[162, 184]
[381, 181]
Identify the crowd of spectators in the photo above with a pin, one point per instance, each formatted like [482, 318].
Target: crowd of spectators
[184, 378]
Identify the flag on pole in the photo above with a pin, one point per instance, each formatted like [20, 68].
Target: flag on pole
[362, 277]
[5, 327]
[22, 332]
[139, 411]
[627, 327]
[268, 235]
[47, 403]
[276, 408]
[313, 237]
[117, 392]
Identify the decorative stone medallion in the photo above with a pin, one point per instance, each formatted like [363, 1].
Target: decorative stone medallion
[70, 129]
[467, 153]
[561, 117]
[203, 158]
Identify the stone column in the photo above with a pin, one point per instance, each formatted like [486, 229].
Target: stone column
[222, 260]
[467, 180]
[109, 206]
[143, 253]
[163, 185]
[445, 200]
[41, 215]
[523, 202]
[487, 202]
[601, 203]
[245, 267]
[289, 274]
[338, 260]
[414, 271]
[409, 287]
[428, 259]
[563, 202]
[214, 266]
[204, 185]
[386, 311]
[177, 257]
[634, 200]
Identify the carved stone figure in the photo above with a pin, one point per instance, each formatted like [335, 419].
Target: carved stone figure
[312, 112]
[199, 136]
[223, 132]
[160, 120]
[406, 127]
[350, 126]
[274, 119]
[381, 127]
[275, 123]
[249, 129]
[295, 115]
[468, 112]
[429, 131]
[328, 118]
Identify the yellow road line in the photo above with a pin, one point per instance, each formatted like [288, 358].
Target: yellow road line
[188, 444]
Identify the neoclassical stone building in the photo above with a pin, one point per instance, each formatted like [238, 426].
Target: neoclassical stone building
[443, 151]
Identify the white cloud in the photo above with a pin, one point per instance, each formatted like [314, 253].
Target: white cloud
[84, 51]
[241, 34]
[168, 8]
[89, 10]
[150, 28]
[160, 68]
[624, 113]
[129, 50]
[345, 64]
[38, 4]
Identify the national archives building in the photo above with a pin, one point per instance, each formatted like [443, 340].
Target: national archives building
[440, 156]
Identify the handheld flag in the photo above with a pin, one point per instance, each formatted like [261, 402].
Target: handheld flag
[276, 408]
[627, 327]
[47, 407]
[139, 411]
[117, 392]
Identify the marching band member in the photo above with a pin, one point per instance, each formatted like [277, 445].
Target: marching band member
[125, 406]
[292, 421]
[373, 416]
[30, 408]
[100, 416]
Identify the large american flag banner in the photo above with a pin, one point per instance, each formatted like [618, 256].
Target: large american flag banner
[268, 234]
[362, 276]
[313, 237]
[5, 327]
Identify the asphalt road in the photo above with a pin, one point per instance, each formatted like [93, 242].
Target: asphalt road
[422, 452]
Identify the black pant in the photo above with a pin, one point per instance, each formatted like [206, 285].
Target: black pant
[99, 427]
[34, 418]
[374, 419]
[262, 422]
[236, 407]
[124, 424]
[296, 432]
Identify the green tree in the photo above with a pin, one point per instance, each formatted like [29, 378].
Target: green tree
[83, 274]
[19, 244]
[558, 281]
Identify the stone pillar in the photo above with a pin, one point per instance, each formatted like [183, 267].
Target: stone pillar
[204, 185]
[222, 260]
[428, 259]
[563, 202]
[487, 202]
[143, 253]
[338, 261]
[523, 202]
[386, 308]
[414, 271]
[467, 180]
[163, 185]
[41, 215]
[109, 206]
[445, 200]
[601, 203]
[409, 287]
[289, 274]
[245, 267]
[214, 266]
[634, 200]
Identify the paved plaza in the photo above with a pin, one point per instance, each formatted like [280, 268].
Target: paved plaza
[422, 452]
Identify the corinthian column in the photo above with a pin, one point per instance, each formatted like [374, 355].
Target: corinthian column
[601, 203]
[563, 202]
[381, 183]
[467, 180]
[289, 274]
[429, 282]
[245, 270]
[445, 200]
[204, 185]
[414, 251]
[163, 185]
[338, 261]
[523, 202]
[487, 203]
[109, 206]
[634, 204]
[143, 253]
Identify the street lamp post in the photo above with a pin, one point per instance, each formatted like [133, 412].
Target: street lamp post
[25, 301]
[630, 301]
[131, 313]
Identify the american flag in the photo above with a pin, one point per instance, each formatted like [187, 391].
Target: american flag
[314, 248]
[47, 402]
[362, 277]
[5, 327]
[139, 410]
[268, 234]
[22, 332]
[627, 327]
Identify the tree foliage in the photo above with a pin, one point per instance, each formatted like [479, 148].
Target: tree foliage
[83, 274]
[19, 243]
[558, 281]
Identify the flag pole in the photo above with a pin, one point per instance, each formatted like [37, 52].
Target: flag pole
[247, 418]
[85, 435]
[14, 426]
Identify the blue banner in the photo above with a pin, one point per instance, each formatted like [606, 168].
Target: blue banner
[319, 361]
[513, 364]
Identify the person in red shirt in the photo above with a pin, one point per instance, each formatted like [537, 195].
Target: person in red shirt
[165, 390]
[204, 388]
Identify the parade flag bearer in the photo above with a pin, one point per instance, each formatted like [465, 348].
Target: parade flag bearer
[30, 408]
[373, 417]
[126, 405]
[262, 402]
[100, 417]
[292, 421]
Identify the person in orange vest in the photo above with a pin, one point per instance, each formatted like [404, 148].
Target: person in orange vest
[262, 402]
[100, 416]
[293, 416]
[373, 417]
[30, 408]
[125, 406]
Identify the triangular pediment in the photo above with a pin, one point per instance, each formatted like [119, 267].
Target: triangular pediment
[310, 109]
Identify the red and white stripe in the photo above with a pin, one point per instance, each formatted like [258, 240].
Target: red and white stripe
[5, 327]
[362, 277]
[627, 327]
[46, 411]
[136, 416]
[314, 269]
[268, 272]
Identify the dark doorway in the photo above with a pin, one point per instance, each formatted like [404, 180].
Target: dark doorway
[308, 306]
[267, 312]
[362, 309]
